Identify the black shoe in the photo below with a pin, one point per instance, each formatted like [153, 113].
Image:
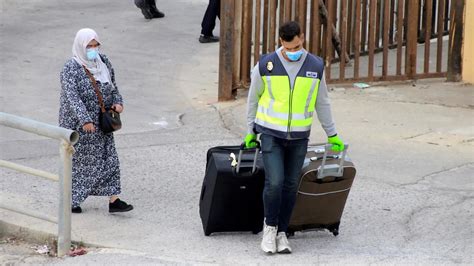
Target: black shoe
[145, 8]
[146, 13]
[120, 206]
[208, 39]
[156, 13]
[76, 209]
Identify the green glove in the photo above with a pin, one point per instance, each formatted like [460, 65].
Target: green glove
[250, 141]
[337, 144]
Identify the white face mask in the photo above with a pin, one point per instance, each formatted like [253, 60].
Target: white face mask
[92, 53]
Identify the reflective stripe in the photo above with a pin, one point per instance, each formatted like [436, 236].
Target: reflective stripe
[270, 125]
[269, 87]
[308, 100]
[270, 112]
[300, 116]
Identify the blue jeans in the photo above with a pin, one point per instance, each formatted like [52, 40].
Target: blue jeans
[282, 160]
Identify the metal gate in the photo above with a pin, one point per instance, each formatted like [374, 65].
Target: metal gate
[360, 40]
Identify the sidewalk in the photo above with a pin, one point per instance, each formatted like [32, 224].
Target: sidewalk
[411, 202]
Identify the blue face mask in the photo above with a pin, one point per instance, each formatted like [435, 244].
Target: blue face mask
[92, 53]
[294, 56]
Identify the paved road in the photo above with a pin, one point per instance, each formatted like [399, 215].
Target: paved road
[413, 147]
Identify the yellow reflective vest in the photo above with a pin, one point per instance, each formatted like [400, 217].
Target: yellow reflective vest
[286, 112]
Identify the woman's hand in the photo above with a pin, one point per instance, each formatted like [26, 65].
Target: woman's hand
[117, 107]
[88, 127]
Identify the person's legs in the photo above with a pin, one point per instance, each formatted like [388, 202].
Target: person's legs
[113, 198]
[273, 162]
[209, 20]
[295, 153]
[273, 158]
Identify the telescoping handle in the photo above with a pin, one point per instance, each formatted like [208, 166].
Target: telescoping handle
[241, 151]
[336, 170]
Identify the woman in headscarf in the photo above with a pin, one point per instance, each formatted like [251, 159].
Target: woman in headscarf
[95, 164]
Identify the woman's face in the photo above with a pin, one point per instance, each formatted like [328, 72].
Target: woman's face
[92, 50]
[92, 44]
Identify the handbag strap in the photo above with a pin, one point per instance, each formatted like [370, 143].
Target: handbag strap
[96, 88]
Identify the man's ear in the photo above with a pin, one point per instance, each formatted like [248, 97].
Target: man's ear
[302, 37]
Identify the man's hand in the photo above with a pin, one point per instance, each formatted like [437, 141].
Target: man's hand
[88, 127]
[250, 141]
[337, 144]
[117, 108]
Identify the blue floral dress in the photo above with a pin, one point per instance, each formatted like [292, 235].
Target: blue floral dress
[95, 163]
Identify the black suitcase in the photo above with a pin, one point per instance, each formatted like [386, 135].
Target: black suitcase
[325, 184]
[231, 194]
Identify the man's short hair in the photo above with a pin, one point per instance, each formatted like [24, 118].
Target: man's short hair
[289, 30]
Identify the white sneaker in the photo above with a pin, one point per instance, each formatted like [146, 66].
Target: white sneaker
[283, 246]
[269, 239]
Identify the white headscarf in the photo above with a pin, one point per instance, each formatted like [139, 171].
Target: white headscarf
[96, 67]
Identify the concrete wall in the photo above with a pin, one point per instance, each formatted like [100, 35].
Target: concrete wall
[468, 51]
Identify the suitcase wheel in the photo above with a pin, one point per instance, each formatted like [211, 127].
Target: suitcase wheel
[334, 229]
[207, 233]
[290, 233]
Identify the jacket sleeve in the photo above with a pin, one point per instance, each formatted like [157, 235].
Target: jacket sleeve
[323, 109]
[255, 92]
[71, 96]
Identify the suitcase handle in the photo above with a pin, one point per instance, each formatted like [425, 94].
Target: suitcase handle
[336, 170]
[242, 148]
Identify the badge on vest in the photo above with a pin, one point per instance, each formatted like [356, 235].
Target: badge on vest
[310, 74]
[269, 66]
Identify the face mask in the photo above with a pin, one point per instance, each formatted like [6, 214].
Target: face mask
[294, 56]
[92, 53]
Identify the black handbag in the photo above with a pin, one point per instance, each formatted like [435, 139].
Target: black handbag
[109, 119]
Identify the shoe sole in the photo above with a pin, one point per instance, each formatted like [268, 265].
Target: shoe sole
[268, 251]
[202, 40]
[157, 16]
[285, 251]
[208, 41]
[120, 210]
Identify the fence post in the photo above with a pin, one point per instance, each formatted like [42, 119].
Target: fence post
[64, 216]
[455, 41]
[246, 51]
[412, 32]
[225, 50]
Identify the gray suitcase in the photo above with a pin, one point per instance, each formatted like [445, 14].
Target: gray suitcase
[326, 180]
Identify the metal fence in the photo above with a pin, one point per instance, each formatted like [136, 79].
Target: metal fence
[360, 40]
[68, 138]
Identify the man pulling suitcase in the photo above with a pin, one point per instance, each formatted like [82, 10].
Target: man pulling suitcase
[287, 86]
